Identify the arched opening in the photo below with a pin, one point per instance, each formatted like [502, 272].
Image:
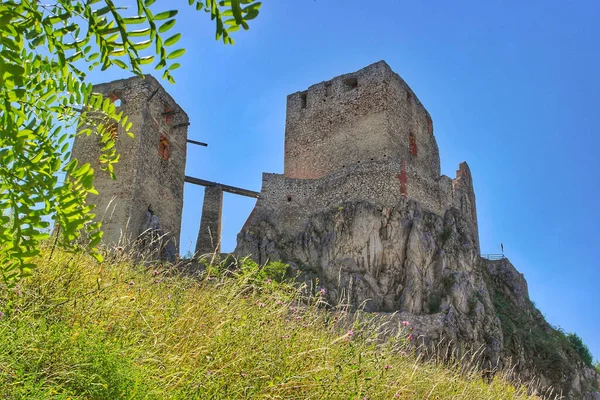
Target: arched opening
[412, 144]
[163, 147]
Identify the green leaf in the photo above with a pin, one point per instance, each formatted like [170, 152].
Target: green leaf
[146, 60]
[165, 15]
[142, 45]
[138, 19]
[166, 26]
[176, 54]
[13, 69]
[120, 64]
[140, 32]
[173, 39]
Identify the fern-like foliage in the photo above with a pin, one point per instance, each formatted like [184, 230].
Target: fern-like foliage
[44, 95]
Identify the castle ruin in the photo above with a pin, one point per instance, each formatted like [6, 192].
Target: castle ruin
[361, 211]
[148, 191]
[360, 137]
[363, 136]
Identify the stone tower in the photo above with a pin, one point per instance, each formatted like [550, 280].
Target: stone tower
[362, 137]
[368, 115]
[148, 190]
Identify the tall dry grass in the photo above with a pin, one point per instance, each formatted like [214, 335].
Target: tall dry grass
[80, 330]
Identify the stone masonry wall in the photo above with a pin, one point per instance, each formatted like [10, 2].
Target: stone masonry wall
[291, 201]
[368, 115]
[144, 178]
[209, 235]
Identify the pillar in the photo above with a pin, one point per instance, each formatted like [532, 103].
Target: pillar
[209, 235]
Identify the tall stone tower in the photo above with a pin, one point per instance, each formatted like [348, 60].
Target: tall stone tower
[148, 190]
[359, 138]
[368, 115]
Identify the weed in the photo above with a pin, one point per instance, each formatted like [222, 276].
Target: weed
[446, 234]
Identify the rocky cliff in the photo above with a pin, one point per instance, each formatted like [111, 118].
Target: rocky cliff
[427, 268]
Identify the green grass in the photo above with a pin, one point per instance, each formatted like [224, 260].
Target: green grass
[77, 329]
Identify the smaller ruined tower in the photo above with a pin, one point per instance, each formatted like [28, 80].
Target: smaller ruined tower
[148, 190]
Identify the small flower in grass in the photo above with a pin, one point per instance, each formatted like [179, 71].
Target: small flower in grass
[410, 337]
[349, 335]
[261, 304]
[1, 314]
[285, 336]
[243, 374]
[322, 291]
[403, 353]
[169, 296]
[405, 323]
[155, 272]
[131, 283]
[299, 317]
[120, 248]
[388, 366]
[397, 395]
[279, 303]
[268, 281]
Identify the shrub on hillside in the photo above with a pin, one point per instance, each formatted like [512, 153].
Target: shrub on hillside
[580, 348]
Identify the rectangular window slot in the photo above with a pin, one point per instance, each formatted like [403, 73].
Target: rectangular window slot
[350, 83]
[303, 100]
[327, 89]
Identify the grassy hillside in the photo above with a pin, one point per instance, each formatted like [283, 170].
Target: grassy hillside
[77, 329]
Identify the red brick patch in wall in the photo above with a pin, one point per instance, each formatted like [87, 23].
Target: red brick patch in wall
[413, 144]
[402, 178]
[168, 114]
[163, 147]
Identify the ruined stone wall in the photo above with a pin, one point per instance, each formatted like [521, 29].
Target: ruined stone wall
[160, 180]
[209, 235]
[144, 177]
[368, 115]
[464, 197]
[291, 202]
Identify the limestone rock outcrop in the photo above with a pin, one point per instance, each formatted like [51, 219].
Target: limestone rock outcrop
[427, 269]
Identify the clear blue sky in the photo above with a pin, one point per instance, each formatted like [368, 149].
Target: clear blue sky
[513, 88]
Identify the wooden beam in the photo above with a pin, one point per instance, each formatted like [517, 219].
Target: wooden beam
[198, 143]
[153, 93]
[180, 125]
[225, 188]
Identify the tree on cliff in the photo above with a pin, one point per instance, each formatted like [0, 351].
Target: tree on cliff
[44, 50]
